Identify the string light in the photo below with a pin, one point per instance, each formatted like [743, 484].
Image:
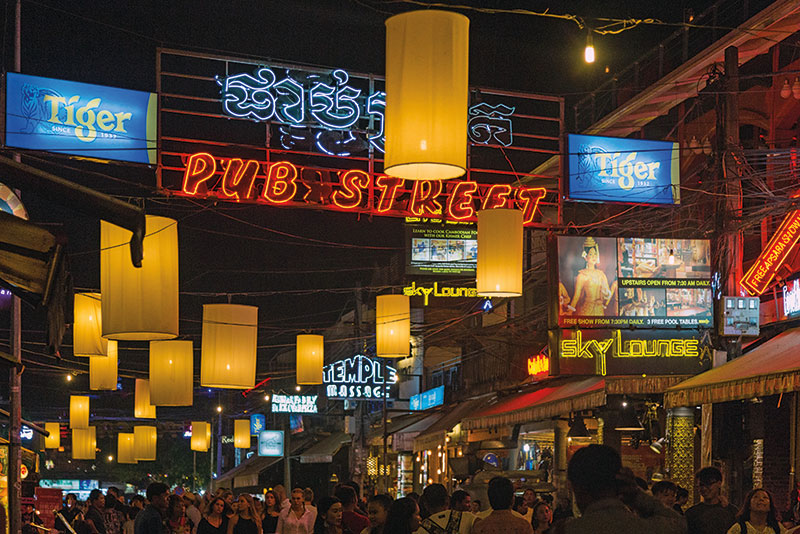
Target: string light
[588, 52]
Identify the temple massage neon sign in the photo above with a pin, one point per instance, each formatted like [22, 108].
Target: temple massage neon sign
[281, 183]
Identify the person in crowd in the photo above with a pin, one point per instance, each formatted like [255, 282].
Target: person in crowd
[414, 496]
[214, 521]
[269, 522]
[610, 500]
[227, 496]
[758, 515]
[68, 512]
[283, 500]
[296, 519]
[114, 512]
[192, 510]
[360, 505]
[522, 508]
[529, 496]
[475, 506]
[442, 520]
[681, 498]
[542, 518]
[403, 517]
[176, 521]
[501, 519]
[244, 520]
[713, 515]
[352, 519]
[130, 518]
[666, 492]
[150, 520]
[29, 517]
[329, 517]
[461, 501]
[96, 510]
[377, 510]
[137, 501]
[308, 497]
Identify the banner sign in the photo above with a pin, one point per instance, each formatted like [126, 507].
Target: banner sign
[294, 403]
[539, 366]
[633, 171]
[81, 119]
[427, 399]
[257, 423]
[358, 377]
[758, 278]
[435, 290]
[606, 282]
[270, 443]
[436, 249]
[791, 298]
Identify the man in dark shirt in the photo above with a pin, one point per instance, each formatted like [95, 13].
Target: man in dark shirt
[151, 519]
[69, 512]
[94, 514]
[713, 515]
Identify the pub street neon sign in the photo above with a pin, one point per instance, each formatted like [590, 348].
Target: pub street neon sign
[283, 183]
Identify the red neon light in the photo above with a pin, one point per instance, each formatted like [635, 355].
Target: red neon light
[530, 198]
[423, 198]
[238, 178]
[760, 275]
[389, 187]
[497, 197]
[246, 392]
[460, 204]
[199, 168]
[280, 187]
[349, 196]
[539, 366]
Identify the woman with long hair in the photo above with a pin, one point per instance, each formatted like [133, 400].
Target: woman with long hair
[541, 518]
[272, 509]
[214, 521]
[176, 521]
[403, 517]
[329, 517]
[758, 515]
[244, 520]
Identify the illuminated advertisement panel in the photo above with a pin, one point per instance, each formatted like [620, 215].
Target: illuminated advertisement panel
[633, 171]
[436, 249]
[606, 282]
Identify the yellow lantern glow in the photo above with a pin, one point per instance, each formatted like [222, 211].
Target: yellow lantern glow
[144, 443]
[228, 353]
[53, 441]
[84, 443]
[499, 271]
[310, 359]
[427, 95]
[125, 448]
[171, 373]
[78, 412]
[87, 331]
[201, 436]
[392, 326]
[241, 433]
[103, 370]
[142, 405]
[140, 304]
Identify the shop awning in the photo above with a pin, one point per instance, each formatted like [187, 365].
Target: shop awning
[245, 474]
[323, 451]
[403, 429]
[769, 369]
[452, 416]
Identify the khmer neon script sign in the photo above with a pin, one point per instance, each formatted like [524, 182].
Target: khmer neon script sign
[760, 275]
[281, 183]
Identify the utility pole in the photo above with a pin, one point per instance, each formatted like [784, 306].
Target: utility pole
[731, 170]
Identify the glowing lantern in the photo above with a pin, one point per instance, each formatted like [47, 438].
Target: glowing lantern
[78, 412]
[142, 406]
[171, 373]
[53, 441]
[144, 443]
[228, 354]
[427, 95]
[103, 369]
[87, 331]
[499, 272]
[392, 326]
[310, 355]
[84, 443]
[201, 436]
[241, 433]
[140, 304]
[125, 448]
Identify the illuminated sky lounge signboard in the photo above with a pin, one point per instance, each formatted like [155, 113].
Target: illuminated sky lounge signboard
[358, 377]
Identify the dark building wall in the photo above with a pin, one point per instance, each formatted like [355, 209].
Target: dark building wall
[776, 449]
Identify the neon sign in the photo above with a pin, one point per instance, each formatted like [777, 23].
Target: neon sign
[791, 298]
[283, 183]
[539, 366]
[760, 275]
[425, 292]
[358, 377]
[294, 403]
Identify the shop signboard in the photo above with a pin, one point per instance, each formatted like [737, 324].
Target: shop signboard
[426, 291]
[294, 403]
[427, 399]
[80, 119]
[257, 423]
[48, 500]
[539, 366]
[791, 298]
[760, 275]
[441, 249]
[270, 443]
[633, 171]
[359, 377]
[606, 282]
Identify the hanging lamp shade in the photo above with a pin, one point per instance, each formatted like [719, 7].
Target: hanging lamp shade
[310, 359]
[392, 326]
[87, 329]
[201, 436]
[144, 443]
[241, 433]
[53, 441]
[78, 412]
[228, 353]
[171, 373]
[142, 404]
[427, 95]
[140, 304]
[84, 443]
[125, 448]
[499, 271]
[103, 370]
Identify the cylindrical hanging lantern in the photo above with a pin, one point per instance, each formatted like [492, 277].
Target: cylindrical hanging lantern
[140, 304]
[427, 95]
[142, 404]
[171, 373]
[499, 271]
[84, 443]
[392, 326]
[78, 412]
[87, 330]
[310, 359]
[103, 369]
[125, 448]
[144, 443]
[228, 353]
[53, 441]
[201, 436]
[241, 433]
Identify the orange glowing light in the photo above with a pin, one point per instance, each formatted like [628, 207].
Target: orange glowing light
[199, 168]
[460, 204]
[389, 187]
[530, 198]
[423, 198]
[760, 275]
[238, 178]
[497, 197]
[349, 196]
[539, 365]
[281, 186]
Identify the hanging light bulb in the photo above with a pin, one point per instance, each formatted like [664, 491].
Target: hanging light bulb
[144, 442]
[228, 353]
[171, 373]
[310, 359]
[84, 443]
[142, 407]
[53, 441]
[87, 329]
[125, 448]
[103, 369]
[78, 412]
[499, 269]
[588, 52]
[241, 433]
[671, 259]
[796, 89]
[392, 326]
[201, 436]
[695, 145]
[706, 146]
[786, 90]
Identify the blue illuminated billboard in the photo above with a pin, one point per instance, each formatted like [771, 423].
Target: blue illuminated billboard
[427, 399]
[270, 443]
[257, 423]
[81, 119]
[612, 169]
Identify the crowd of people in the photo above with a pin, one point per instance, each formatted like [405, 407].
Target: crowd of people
[606, 498]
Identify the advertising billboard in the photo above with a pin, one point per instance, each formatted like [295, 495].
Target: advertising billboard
[607, 282]
[633, 171]
[427, 399]
[294, 403]
[435, 249]
[359, 377]
[81, 119]
[270, 443]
